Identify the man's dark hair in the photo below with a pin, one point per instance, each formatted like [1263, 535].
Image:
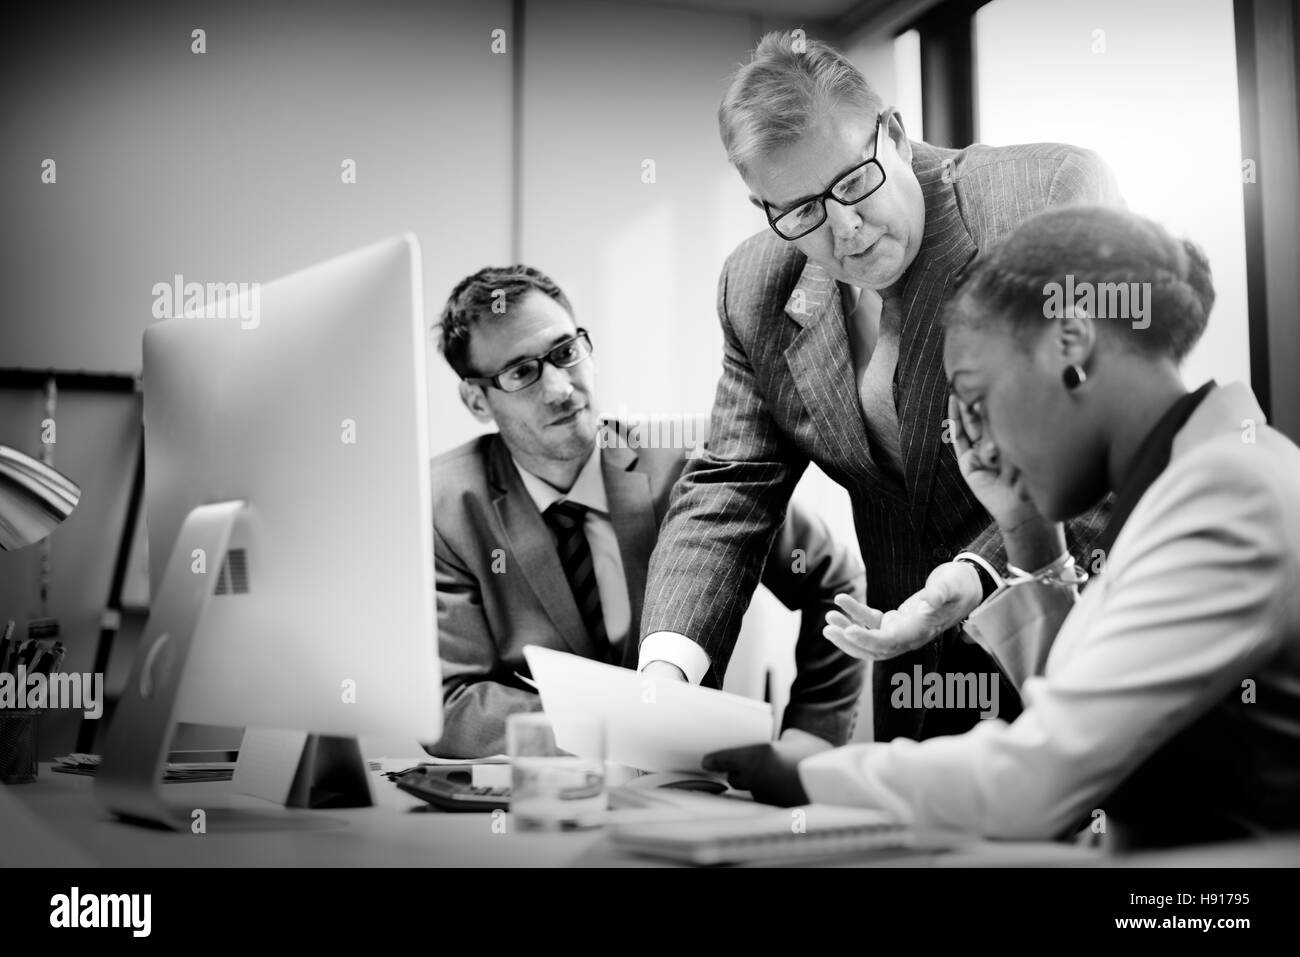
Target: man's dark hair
[1104, 246]
[488, 294]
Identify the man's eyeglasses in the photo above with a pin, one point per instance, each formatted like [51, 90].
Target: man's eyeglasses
[520, 375]
[853, 187]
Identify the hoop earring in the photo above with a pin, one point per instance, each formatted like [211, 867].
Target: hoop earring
[1074, 377]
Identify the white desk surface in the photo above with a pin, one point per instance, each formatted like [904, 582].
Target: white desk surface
[56, 822]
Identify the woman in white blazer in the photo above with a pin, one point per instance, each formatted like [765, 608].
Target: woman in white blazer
[1162, 698]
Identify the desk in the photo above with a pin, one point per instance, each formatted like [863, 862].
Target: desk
[56, 822]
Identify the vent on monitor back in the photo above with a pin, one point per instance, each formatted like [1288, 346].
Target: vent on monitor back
[233, 579]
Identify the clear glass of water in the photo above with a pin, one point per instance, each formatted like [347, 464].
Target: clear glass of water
[550, 789]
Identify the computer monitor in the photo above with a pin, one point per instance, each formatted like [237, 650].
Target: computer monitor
[289, 519]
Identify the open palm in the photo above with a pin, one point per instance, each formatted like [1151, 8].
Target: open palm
[950, 594]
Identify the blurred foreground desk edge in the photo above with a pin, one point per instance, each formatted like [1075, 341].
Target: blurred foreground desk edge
[56, 822]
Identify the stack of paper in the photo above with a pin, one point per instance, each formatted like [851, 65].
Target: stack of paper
[177, 772]
[647, 724]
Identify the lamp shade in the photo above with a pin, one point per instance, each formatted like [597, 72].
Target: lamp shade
[34, 499]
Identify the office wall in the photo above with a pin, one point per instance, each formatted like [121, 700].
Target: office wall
[226, 165]
[223, 166]
[609, 88]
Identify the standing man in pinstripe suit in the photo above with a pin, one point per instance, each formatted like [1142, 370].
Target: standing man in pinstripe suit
[833, 354]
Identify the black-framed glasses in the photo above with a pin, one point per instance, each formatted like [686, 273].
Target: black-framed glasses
[520, 375]
[852, 187]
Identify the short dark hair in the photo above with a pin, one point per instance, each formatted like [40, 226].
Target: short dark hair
[488, 294]
[1100, 245]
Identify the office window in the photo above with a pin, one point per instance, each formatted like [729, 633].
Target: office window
[907, 81]
[1153, 88]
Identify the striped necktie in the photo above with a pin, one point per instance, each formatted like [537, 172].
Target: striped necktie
[565, 519]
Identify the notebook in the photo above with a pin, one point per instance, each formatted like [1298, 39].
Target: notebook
[814, 831]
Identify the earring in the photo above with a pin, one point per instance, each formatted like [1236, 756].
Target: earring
[1074, 377]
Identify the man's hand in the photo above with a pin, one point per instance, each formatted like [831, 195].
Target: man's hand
[662, 670]
[770, 772]
[951, 593]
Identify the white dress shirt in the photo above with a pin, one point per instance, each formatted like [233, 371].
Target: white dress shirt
[589, 491]
[872, 325]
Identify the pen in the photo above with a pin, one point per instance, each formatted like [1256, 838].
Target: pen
[5, 645]
[51, 660]
[26, 655]
[45, 662]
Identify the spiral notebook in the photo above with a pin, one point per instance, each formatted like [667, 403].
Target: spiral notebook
[815, 831]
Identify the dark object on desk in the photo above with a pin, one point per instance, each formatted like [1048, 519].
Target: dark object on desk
[18, 745]
[698, 784]
[183, 767]
[451, 789]
[680, 781]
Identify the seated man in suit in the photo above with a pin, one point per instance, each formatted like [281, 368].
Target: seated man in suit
[543, 530]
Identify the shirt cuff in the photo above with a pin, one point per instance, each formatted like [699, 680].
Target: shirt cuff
[840, 776]
[989, 577]
[676, 650]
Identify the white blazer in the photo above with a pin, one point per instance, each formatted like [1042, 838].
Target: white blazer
[1194, 625]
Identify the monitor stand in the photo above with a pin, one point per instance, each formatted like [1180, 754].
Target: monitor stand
[329, 771]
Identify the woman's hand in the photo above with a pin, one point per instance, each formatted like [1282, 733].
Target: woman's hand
[770, 772]
[1031, 541]
[990, 479]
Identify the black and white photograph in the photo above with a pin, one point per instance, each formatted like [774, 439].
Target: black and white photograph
[644, 434]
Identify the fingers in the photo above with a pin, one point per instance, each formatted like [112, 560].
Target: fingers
[741, 765]
[957, 415]
[838, 636]
[726, 760]
[970, 424]
[968, 436]
[858, 612]
[836, 620]
[898, 633]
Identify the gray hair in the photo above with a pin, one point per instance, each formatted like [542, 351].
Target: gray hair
[787, 85]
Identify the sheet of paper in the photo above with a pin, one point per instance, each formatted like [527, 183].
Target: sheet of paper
[649, 724]
[268, 761]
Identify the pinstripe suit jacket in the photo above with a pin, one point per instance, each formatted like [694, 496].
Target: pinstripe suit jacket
[787, 396]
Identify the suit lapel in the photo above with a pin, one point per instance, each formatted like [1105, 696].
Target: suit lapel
[920, 385]
[533, 551]
[821, 368]
[631, 511]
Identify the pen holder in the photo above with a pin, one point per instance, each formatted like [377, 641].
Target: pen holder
[18, 745]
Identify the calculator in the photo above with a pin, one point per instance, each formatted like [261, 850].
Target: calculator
[452, 789]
